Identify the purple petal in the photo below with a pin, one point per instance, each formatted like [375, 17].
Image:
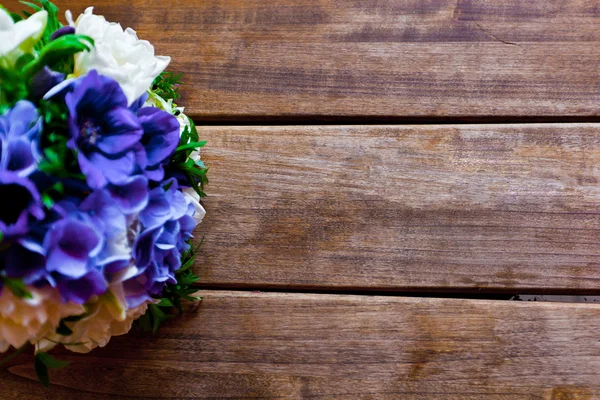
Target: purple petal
[123, 131]
[65, 30]
[22, 112]
[98, 93]
[79, 291]
[135, 293]
[19, 157]
[69, 245]
[161, 134]
[139, 103]
[131, 197]
[156, 173]
[43, 81]
[93, 174]
[105, 213]
[143, 249]
[158, 211]
[115, 171]
[68, 264]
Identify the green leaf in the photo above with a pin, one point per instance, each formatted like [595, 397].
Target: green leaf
[193, 130]
[16, 17]
[166, 85]
[41, 370]
[44, 361]
[52, 23]
[50, 361]
[190, 146]
[31, 5]
[158, 317]
[17, 287]
[165, 303]
[57, 50]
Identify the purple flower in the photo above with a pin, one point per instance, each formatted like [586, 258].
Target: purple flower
[65, 30]
[72, 246]
[19, 133]
[132, 196]
[103, 130]
[43, 81]
[160, 139]
[167, 223]
[108, 217]
[21, 204]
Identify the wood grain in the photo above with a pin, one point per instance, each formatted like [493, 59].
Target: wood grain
[311, 59]
[448, 207]
[294, 346]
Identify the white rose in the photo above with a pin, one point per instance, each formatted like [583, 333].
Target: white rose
[19, 38]
[118, 54]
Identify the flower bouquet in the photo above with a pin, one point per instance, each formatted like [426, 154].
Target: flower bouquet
[100, 182]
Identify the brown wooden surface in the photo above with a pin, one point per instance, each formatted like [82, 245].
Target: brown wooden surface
[250, 345]
[469, 207]
[452, 208]
[313, 58]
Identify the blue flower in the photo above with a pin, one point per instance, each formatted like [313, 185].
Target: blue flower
[19, 133]
[103, 130]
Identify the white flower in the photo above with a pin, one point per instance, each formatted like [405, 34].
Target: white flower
[192, 198]
[29, 320]
[118, 54]
[19, 38]
[183, 119]
[156, 101]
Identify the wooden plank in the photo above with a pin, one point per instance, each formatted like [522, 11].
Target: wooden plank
[448, 207]
[292, 346]
[297, 59]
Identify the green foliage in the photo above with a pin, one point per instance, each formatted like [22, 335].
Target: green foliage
[53, 22]
[17, 287]
[166, 85]
[12, 86]
[56, 54]
[44, 361]
[59, 161]
[194, 171]
[173, 295]
[57, 51]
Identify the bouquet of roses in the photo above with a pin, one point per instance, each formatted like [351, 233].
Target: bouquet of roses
[100, 182]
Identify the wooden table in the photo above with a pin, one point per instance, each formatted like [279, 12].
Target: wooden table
[383, 173]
